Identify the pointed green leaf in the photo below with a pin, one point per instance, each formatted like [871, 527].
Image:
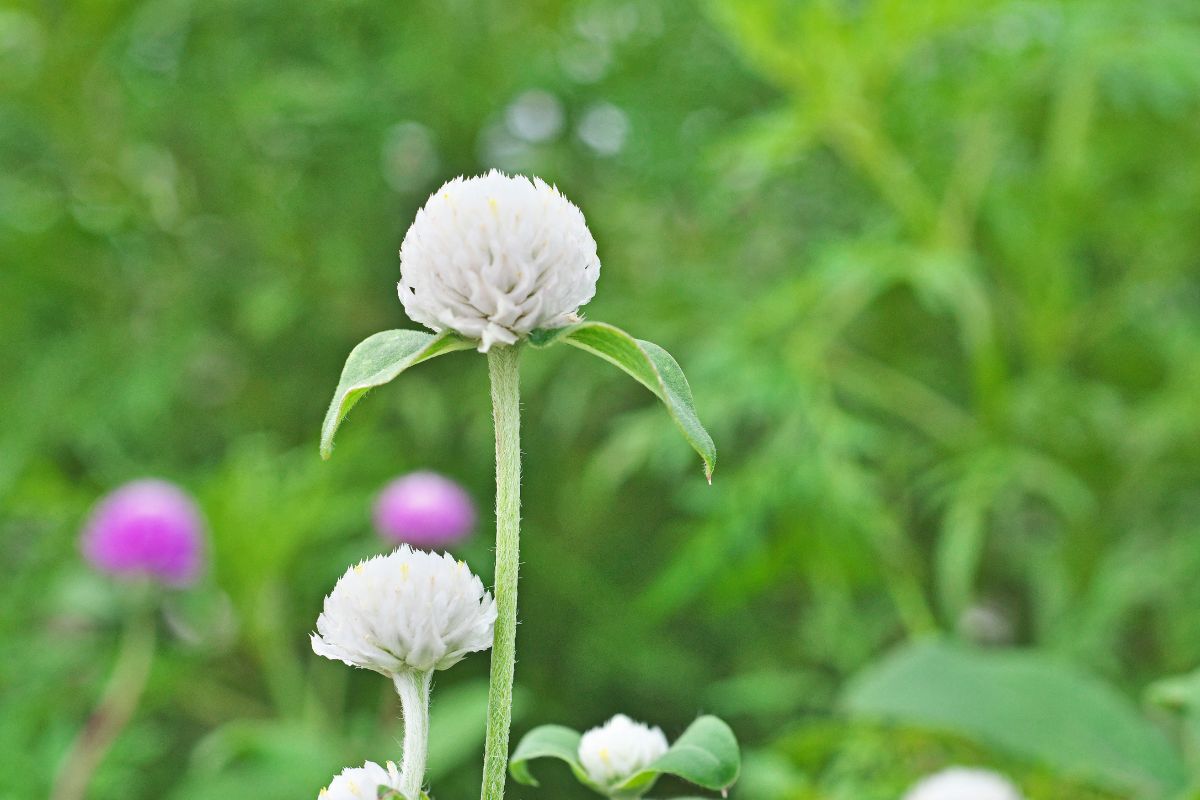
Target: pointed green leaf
[1027, 703]
[706, 754]
[647, 363]
[548, 741]
[377, 360]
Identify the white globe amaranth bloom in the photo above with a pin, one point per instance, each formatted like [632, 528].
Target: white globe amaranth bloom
[495, 257]
[619, 749]
[963, 783]
[361, 783]
[408, 610]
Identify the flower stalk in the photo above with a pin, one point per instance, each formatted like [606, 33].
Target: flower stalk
[413, 689]
[506, 415]
[115, 709]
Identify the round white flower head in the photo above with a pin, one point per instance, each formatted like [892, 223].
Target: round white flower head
[494, 257]
[361, 783]
[961, 783]
[408, 610]
[619, 749]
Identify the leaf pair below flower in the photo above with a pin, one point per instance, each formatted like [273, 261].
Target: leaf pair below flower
[706, 755]
[380, 358]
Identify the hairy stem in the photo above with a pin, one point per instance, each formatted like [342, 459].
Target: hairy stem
[413, 688]
[112, 714]
[506, 414]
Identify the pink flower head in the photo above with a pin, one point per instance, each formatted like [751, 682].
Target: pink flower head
[424, 509]
[149, 528]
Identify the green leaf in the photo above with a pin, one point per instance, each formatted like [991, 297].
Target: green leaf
[377, 360]
[548, 741]
[647, 363]
[1179, 692]
[1031, 705]
[706, 754]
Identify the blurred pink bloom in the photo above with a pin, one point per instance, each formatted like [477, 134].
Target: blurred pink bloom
[424, 509]
[147, 528]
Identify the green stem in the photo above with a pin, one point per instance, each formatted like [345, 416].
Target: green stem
[506, 414]
[112, 714]
[413, 689]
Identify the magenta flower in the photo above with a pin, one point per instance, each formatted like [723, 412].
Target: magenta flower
[148, 528]
[424, 509]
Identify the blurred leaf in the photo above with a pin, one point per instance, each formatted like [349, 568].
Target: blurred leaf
[458, 717]
[1029, 704]
[273, 760]
[959, 553]
[647, 363]
[1178, 692]
[770, 775]
[377, 360]
[767, 693]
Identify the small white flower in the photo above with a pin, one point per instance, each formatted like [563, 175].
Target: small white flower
[495, 257]
[361, 783]
[619, 749]
[961, 783]
[406, 610]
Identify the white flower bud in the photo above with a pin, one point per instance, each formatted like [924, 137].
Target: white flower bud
[494, 257]
[361, 783]
[409, 610]
[619, 749]
[961, 783]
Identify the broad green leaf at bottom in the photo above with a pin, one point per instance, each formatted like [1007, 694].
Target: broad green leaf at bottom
[706, 754]
[547, 741]
[1026, 703]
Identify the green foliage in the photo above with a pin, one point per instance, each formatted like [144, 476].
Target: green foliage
[706, 755]
[1026, 703]
[931, 268]
[851, 760]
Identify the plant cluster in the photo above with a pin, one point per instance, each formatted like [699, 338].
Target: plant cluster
[490, 263]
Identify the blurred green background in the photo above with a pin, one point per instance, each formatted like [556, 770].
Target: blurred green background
[932, 268]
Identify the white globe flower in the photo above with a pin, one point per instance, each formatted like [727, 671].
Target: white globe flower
[961, 783]
[409, 610]
[361, 783]
[494, 257]
[619, 749]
